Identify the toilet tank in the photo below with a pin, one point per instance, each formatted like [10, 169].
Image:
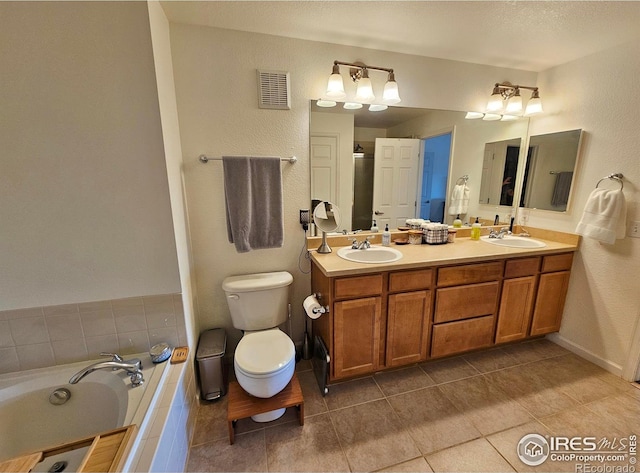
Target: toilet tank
[258, 301]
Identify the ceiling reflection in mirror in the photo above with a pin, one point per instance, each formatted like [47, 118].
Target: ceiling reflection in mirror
[347, 148]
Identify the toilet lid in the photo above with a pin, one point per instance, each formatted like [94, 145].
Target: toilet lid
[264, 352]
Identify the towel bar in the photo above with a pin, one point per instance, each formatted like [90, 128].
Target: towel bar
[205, 159]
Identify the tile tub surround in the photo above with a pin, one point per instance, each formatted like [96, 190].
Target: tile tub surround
[465, 413]
[54, 335]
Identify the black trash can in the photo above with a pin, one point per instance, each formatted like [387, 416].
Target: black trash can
[210, 362]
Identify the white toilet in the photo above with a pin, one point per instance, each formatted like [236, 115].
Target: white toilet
[265, 357]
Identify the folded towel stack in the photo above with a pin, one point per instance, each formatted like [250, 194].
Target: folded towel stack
[459, 203]
[604, 217]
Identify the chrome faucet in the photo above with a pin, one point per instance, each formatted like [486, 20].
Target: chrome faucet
[500, 234]
[363, 245]
[133, 368]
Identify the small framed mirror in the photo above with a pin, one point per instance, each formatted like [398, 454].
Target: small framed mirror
[326, 217]
[551, 164]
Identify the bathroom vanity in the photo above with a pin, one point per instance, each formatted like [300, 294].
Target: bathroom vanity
[438, 301]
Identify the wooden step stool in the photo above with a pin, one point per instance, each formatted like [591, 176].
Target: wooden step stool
[242, 404]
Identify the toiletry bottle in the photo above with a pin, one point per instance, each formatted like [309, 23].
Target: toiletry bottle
[457, 223]
[475, 230]
[374, 227]
[386, 236]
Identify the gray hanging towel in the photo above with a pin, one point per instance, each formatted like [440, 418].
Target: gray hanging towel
[562, 188]
[253, 202]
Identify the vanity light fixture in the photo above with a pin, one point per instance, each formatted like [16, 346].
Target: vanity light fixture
[359, 73]
[506, 104]
[506, 97]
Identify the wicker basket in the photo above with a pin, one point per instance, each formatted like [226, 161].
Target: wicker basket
[436, 237]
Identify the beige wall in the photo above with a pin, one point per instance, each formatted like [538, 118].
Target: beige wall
[173, 157]
[603, 304]
[215, 76]
[84, 199]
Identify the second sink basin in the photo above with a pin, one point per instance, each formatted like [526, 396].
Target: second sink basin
[514, 242]
[375, 254]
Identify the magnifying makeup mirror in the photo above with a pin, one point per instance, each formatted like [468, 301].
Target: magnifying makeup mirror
[326, 217]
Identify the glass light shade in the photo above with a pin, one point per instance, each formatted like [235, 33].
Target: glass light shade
[508, 118]
[473, 115]
[495, 103]
[514, 104]
[534, 106]
[364, 91]
[374, 107]
[491, 117]
[335, 87]
[390, 93]
[325, 103]
[352, 105]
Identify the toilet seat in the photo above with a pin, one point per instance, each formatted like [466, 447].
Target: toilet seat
[264, 353]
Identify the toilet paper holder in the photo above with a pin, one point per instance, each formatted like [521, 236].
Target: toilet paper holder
[324, 309]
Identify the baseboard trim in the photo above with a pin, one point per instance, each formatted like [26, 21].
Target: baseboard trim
[586, 354]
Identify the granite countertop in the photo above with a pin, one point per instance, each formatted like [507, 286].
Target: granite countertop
[463, 250]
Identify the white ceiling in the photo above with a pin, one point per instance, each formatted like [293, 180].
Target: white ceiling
[520, 34]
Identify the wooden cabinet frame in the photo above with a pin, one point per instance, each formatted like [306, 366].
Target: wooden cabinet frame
[382, 320]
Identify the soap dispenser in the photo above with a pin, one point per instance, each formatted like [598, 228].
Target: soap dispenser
[475, 230]
[457, 223]
[374, 227]
[386, 236]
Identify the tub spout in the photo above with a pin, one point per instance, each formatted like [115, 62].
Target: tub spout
[133, 368]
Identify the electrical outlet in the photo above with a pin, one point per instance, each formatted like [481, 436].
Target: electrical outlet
[634, 229]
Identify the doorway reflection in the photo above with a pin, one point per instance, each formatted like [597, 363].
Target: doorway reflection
[435, 172]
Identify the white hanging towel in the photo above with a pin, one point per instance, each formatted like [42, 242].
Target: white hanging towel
[604, 217]
[459, 199]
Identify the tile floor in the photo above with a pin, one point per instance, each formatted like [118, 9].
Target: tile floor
[459, 414]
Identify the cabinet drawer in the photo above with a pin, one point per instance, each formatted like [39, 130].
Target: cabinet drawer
[469, 273]
[517, 268]
[369, 285]
[557, 262]
[463, 302]
[405, 281]
[461, 336]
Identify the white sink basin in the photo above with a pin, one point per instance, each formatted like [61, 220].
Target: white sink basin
[375, 254]
[514, 242]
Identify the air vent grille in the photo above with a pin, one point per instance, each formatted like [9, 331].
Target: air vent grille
[273, 90]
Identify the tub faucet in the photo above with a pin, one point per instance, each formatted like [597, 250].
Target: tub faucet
[133, 368]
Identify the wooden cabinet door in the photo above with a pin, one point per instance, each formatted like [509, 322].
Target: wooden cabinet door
[552, 291]
[408, 327]
[516, 305]
[356, 332]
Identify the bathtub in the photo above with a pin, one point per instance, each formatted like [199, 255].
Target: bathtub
[102, 400]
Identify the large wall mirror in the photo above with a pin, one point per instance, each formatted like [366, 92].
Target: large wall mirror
[549, 172]
[403, 162]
